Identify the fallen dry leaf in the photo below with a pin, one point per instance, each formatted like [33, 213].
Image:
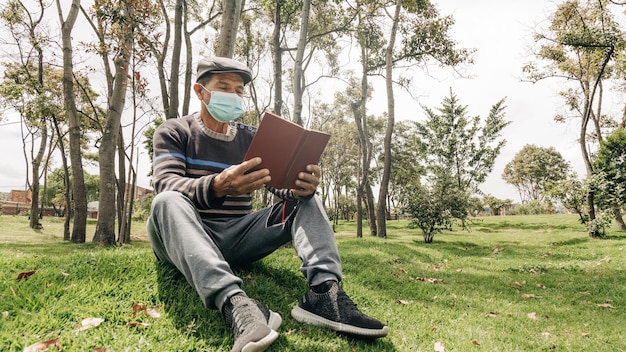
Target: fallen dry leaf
[43, 345]
[402, 270]
[64, 273]
[99, 349]
[532, 316]
[530, 295]
[585, 334]
[492, 314]
[25, 274]
[543, 287]
[403, 302]
[138, 307]
[141, 307]
[153, 313]
[458, 270]
[429, 280]
[5, 314]
[605, 305]
[517, 284]
[439, 347]
[89, 323]
[475, 343]
[137, 324]
[545, 334]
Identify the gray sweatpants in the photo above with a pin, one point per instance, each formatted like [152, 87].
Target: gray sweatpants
[204, 250]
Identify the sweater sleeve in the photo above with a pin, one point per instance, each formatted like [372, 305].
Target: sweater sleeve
[286, 194]
[169, 166]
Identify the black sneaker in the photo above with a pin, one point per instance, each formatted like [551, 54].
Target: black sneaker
[335, 310]
[250, 323]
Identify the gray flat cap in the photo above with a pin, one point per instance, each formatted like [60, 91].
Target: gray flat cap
[223, 65]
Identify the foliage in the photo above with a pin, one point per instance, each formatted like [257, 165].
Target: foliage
[570, 193]
[55, 190]
[535, 207]
[610, 165]
[581, 46]
[496, 204]
[432, 207]
[532, 169]
[457, 153]
[142, 208]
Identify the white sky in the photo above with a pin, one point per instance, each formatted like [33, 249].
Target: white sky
[501, 31]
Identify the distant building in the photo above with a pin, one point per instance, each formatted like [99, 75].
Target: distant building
[16, 202]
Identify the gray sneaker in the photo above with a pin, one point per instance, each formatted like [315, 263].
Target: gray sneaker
[334, 310]
[250, 322]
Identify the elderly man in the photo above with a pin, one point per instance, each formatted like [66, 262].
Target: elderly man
[202, 220]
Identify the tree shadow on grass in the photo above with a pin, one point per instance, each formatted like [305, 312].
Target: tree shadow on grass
[276, 288]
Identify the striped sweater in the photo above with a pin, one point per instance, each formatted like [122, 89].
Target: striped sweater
[187, 155]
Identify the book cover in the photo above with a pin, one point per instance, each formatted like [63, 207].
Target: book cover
[286, 149]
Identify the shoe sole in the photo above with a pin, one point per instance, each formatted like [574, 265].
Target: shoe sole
[262, 344]
[304, 316]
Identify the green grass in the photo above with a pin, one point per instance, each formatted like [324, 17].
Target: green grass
[493, 280]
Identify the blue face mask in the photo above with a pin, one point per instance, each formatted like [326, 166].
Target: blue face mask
[224, 107]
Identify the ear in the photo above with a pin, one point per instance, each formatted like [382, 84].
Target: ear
[197, 87]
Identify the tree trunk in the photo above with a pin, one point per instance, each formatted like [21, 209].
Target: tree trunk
[228, 30]
[617, 215]
[121, 186]
[381, 215]
[66, 181]
[298, 75]
[172, 111]
[79, 195]
[160, 56]
[188, 63]
[105, 228]
[34, 186]
[278, 61]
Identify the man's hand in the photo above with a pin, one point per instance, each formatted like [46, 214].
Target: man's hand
[234, 180]
[308, 181]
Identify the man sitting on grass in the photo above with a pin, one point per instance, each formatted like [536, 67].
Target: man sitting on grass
[202, 220]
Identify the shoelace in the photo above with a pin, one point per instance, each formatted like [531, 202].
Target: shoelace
[346, 302]
[243, 317]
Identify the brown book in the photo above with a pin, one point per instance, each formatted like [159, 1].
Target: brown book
[286, 149]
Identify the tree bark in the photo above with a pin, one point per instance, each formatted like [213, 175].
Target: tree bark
[278, 61]
[228, 30]
[298, 75]
[172, 111]
[66, 180]
[79, 195]
[105, 228]
[381, 214]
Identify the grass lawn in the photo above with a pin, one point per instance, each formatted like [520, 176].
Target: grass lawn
[512, 283]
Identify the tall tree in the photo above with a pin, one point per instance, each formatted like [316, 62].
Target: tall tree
[79, 197]
[382, 210]
[118, 26]
[532, 170]
[460, 151]
[581, 45]
[25, 29]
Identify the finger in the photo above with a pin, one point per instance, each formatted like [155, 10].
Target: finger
[250, 164]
